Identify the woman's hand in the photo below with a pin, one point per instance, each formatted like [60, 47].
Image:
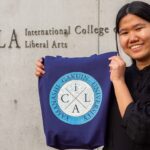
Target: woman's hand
[117, 71]
[39, 70]
[117, 68]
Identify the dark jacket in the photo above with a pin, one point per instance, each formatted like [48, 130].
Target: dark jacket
[132, 132]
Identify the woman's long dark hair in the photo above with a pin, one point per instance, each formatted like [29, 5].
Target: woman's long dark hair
[138, 8]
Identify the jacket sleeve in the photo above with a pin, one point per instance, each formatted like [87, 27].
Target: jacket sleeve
[136, 120]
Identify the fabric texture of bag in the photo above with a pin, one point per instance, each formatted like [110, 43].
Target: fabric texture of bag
[74, 97]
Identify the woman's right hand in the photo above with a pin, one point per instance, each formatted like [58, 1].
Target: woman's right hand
[39, 70]
[117, 68]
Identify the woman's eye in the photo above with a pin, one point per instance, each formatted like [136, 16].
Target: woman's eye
[123, 33]
[138, 28]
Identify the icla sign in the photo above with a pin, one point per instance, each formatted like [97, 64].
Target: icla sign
[13, 39]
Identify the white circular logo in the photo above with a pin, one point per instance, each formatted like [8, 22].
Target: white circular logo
[75, 98]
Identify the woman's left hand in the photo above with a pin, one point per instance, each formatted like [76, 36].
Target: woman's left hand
[117, 68]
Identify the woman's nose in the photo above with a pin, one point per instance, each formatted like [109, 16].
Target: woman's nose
[133, 37]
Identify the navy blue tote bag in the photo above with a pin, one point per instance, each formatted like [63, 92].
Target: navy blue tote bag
[74, 97]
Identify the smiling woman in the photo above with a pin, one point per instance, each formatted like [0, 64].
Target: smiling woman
[134, 34]
[129, 118]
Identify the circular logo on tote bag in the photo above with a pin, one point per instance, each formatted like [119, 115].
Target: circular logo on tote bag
[75, 98]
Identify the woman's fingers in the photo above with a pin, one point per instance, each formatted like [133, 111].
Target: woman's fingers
[39, 70]
[39, 63]
[116, 61]
[117, 68]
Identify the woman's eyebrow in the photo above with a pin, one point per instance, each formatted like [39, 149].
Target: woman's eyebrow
[134, 26]
[139, 24]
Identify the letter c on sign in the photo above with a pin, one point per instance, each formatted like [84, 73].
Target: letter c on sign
[62, 98]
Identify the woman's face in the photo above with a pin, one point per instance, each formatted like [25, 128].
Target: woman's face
[134, 36]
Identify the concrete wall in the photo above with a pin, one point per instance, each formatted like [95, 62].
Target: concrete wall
[21, 44]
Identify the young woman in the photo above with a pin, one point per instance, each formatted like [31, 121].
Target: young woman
[129, 116]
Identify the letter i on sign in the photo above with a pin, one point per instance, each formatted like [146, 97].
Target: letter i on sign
[75, 87]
